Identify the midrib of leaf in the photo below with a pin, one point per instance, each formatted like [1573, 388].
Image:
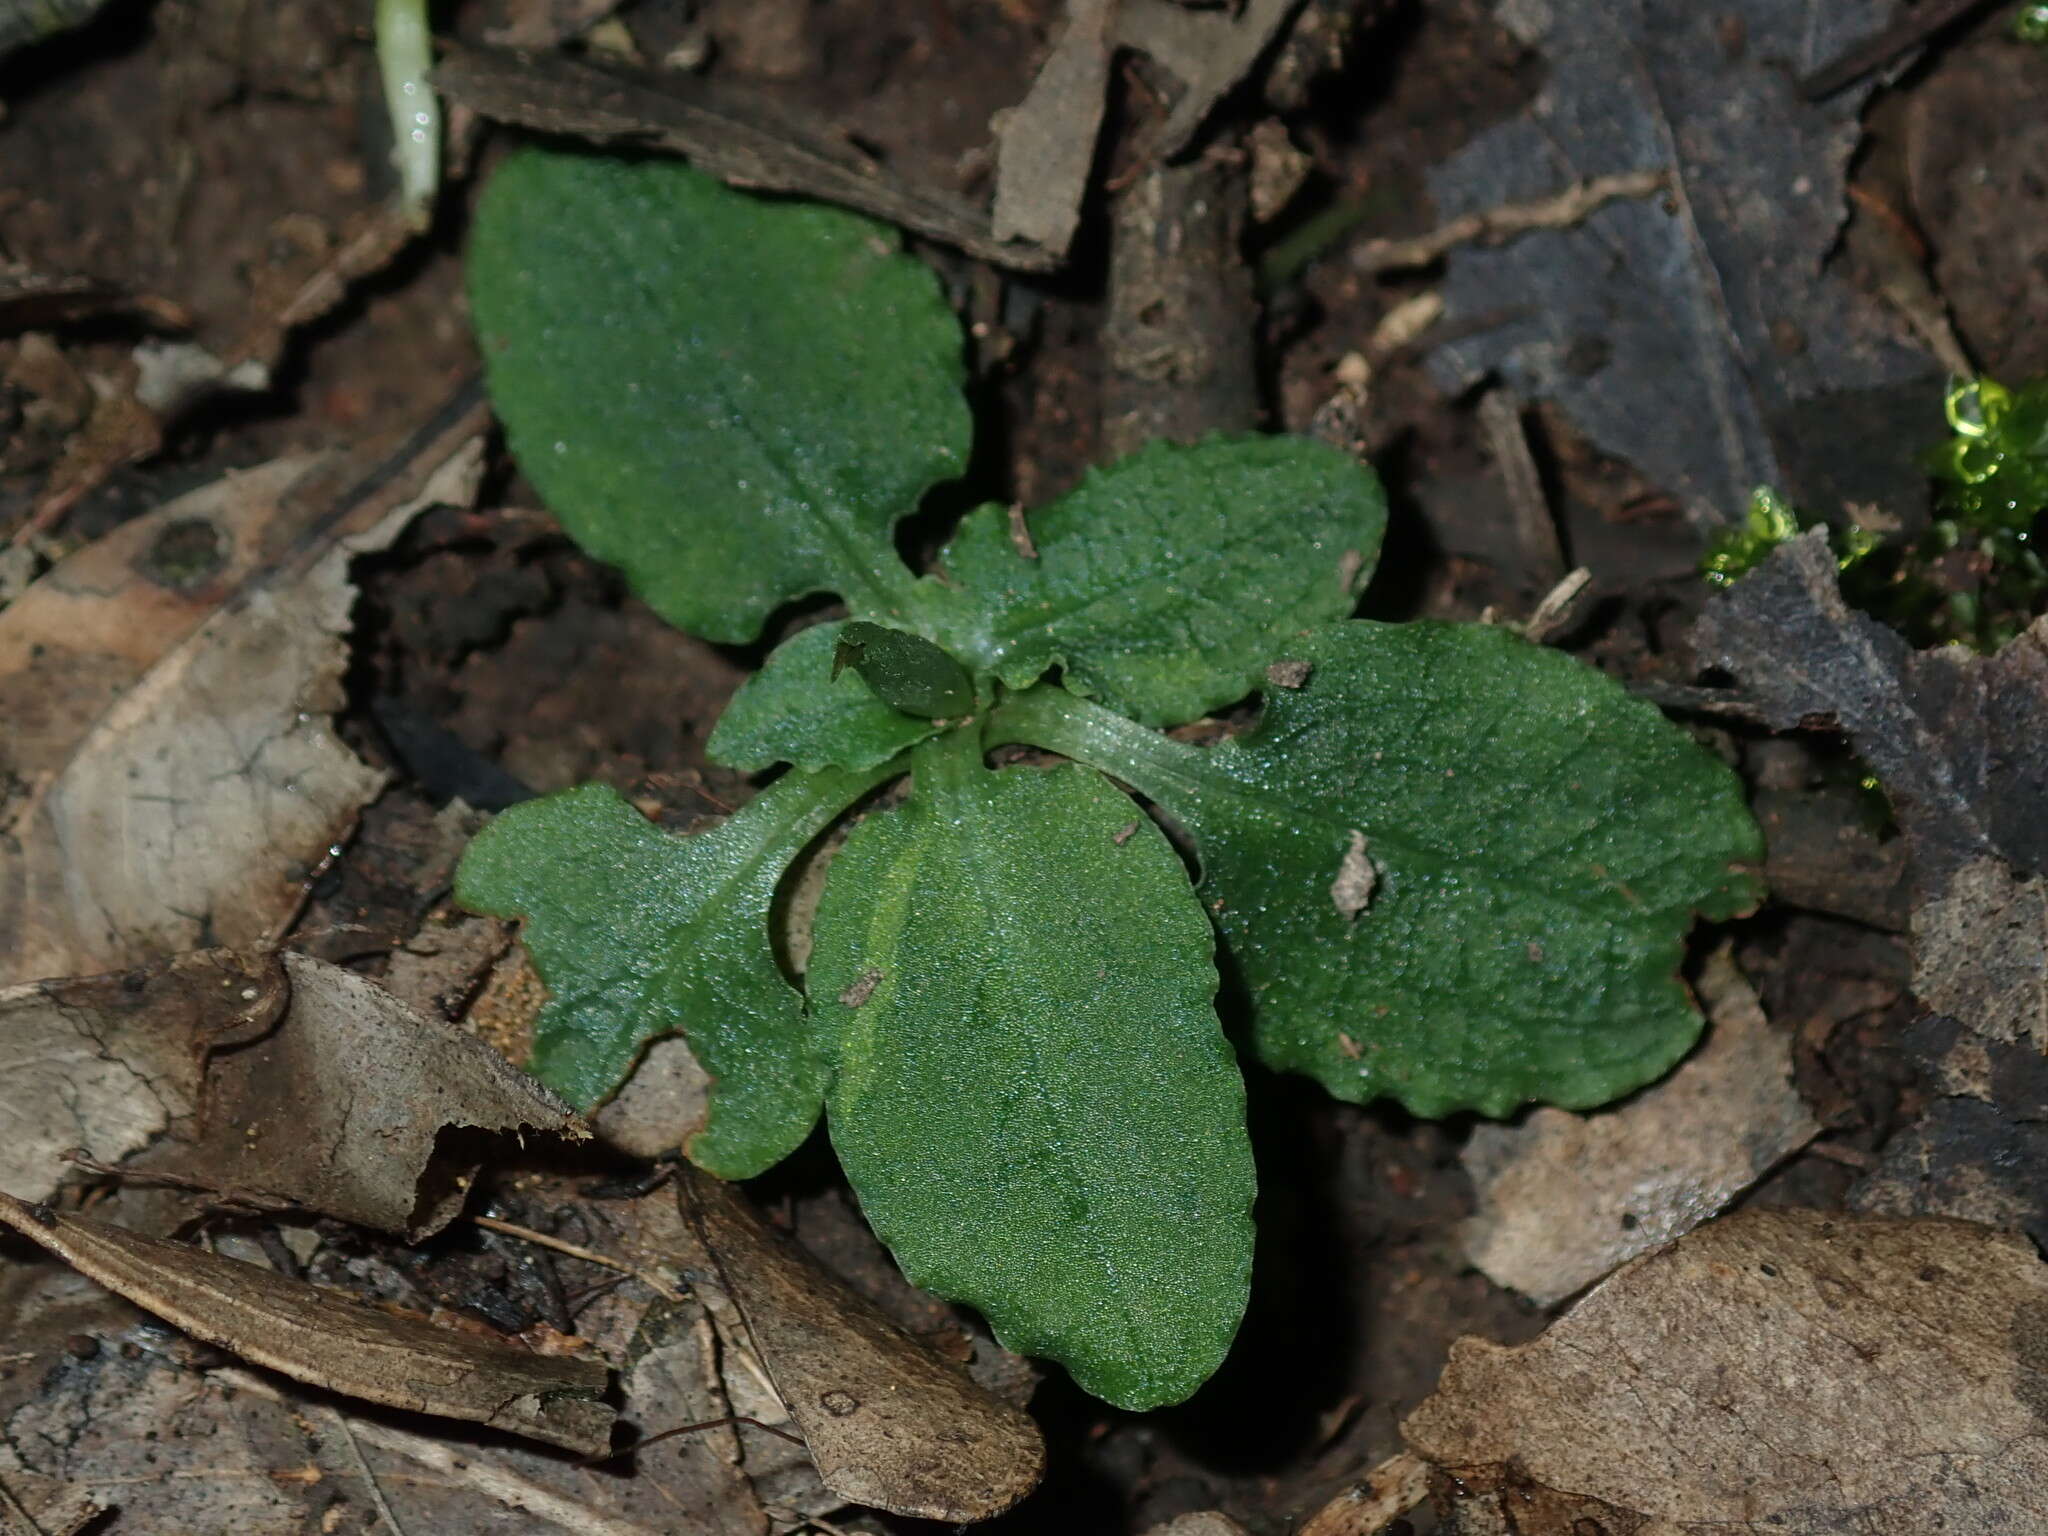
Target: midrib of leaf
[949, 766]
[1176, 774]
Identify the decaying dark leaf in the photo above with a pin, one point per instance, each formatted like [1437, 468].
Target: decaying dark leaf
[330, 1340]
[1979, 1151]
[888, 1423]
[1957, 740]
[169, 776]
[1796, 1372]
[1694, 336]
[1565, 1198]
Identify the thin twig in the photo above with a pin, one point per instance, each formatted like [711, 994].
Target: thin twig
[688, 1429]
[1491, 226]
[660, 1287]
[1500, 416]
[355, 1454]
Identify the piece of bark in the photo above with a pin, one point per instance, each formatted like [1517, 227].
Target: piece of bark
[888, 1423]
[722, 129]
[330, 1340]
[1179, 339]
[1211, 52]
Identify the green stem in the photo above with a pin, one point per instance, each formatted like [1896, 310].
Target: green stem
[1051, 718]
[405, 55]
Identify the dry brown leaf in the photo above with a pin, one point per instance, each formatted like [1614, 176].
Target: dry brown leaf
[888, 1423]
[1789, 1372]
[169, 777]
[330, 1340]
[108, 1064]
[1565, 1198]
[1045, 145]
[1388, 1492]
[348, 1106]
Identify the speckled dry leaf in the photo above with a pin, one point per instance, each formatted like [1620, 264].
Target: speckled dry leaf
[330, 1340]
[889, 1424]
[1784, 1372]
[1564, 1198]
[171, 773]
[105, 1065]
[348, 1106]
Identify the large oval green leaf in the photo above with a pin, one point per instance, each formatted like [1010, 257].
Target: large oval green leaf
[1453, 867]
[733, 399]
[1033, 1097]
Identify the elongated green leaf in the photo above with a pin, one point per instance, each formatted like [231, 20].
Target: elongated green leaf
[906, 671]
[639, 933]
[1168, 582]
[795, 711]
[1034, 1099]
[1453, 868]
[732, 399]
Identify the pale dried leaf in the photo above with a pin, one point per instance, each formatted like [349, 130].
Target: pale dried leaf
[1565, 1198]
[330, 1340]
[1211, 52]
[1790, 1372]
[1046, 144]
[107, 1064]
[888, 1423]
[169, 776]
[1389, 1491]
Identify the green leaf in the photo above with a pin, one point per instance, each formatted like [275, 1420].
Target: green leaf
[1453, 867]
[639, 933]
[795, 711]
[733, 399]
[1034, 1099]
[1167, 583]
[907, 672]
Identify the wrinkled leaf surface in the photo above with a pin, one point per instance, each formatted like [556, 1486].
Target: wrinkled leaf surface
[1167, 582]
